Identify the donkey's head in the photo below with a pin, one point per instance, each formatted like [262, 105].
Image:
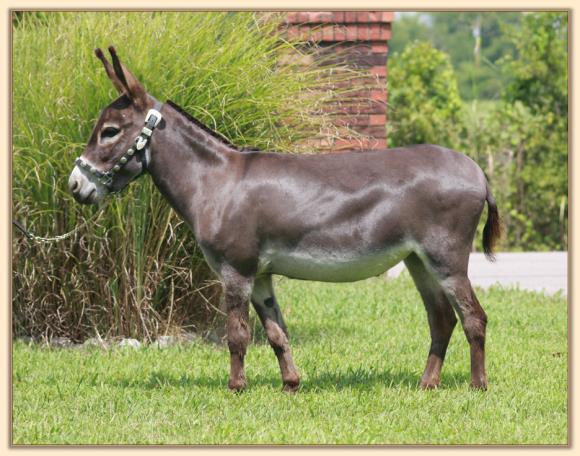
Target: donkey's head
[113, 157]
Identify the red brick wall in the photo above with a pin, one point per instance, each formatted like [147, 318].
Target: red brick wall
[358, 39]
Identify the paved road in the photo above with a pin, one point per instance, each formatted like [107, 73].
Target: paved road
[539, 271]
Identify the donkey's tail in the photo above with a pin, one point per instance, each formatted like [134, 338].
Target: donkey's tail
[492, 228]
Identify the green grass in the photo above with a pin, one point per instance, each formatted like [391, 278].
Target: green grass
[360, 349]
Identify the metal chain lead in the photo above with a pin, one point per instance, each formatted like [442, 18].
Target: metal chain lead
[46, 240]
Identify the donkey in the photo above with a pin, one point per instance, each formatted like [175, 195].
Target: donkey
[325, 217]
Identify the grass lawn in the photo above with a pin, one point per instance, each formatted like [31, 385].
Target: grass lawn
[360, 348]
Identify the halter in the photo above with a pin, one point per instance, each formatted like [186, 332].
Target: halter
[141, 142]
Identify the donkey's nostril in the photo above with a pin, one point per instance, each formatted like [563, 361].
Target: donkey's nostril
[74, 185]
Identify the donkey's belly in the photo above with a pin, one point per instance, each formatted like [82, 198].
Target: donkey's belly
[335, 267]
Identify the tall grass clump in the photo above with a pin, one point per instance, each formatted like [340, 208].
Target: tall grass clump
[135, 269]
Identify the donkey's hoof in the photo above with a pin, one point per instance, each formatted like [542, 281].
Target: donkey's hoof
[479, 382]
[291, 387]
[429, 385]
[479, 385]
[429, 382]
[237, 386]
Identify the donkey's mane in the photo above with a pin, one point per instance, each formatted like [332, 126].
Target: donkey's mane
[205, 128]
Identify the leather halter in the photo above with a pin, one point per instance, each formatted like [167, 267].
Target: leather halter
[141, 145]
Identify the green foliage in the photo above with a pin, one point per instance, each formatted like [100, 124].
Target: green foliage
[424, 99]
[478, 74]
[529, 171]
[475, 41]
[531, 137]
[360, 349]
[135, 270]
[408, 28]
[519, 140]
[538, 68]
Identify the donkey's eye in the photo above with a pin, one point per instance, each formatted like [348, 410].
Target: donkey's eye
[110, 132]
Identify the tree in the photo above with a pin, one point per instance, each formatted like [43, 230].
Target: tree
[534, 115]
[539, 65]
[424, 101]
[475, 41]
[408, 28]
[520, 139]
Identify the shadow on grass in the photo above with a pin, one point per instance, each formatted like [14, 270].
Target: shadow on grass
[358, 380]
[361, 380]
[303, 334]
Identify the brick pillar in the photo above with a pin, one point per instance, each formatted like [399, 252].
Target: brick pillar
[359, 40]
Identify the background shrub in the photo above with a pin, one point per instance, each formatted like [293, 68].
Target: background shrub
[135, 270]
[519, 136]
[424, 100]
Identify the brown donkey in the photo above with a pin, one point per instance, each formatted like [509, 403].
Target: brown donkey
[327, 217]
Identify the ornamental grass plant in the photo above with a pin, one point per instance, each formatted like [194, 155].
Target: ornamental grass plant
[133, 269]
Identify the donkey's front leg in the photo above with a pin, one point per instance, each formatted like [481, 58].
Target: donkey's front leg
[270, 315]
[237, 291]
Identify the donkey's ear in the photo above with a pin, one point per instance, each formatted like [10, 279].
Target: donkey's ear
[110, 71]
[132, 86]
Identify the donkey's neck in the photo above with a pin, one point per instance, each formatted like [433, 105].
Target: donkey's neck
[189, 162]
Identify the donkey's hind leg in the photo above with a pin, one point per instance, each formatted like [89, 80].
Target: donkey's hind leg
[442, 319]
[449, 268]
[268, 310]
[474, 321]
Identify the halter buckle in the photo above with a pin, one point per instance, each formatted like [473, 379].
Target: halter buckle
[156, 116]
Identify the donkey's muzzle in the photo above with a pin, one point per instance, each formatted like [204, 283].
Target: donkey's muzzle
[83, 189]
